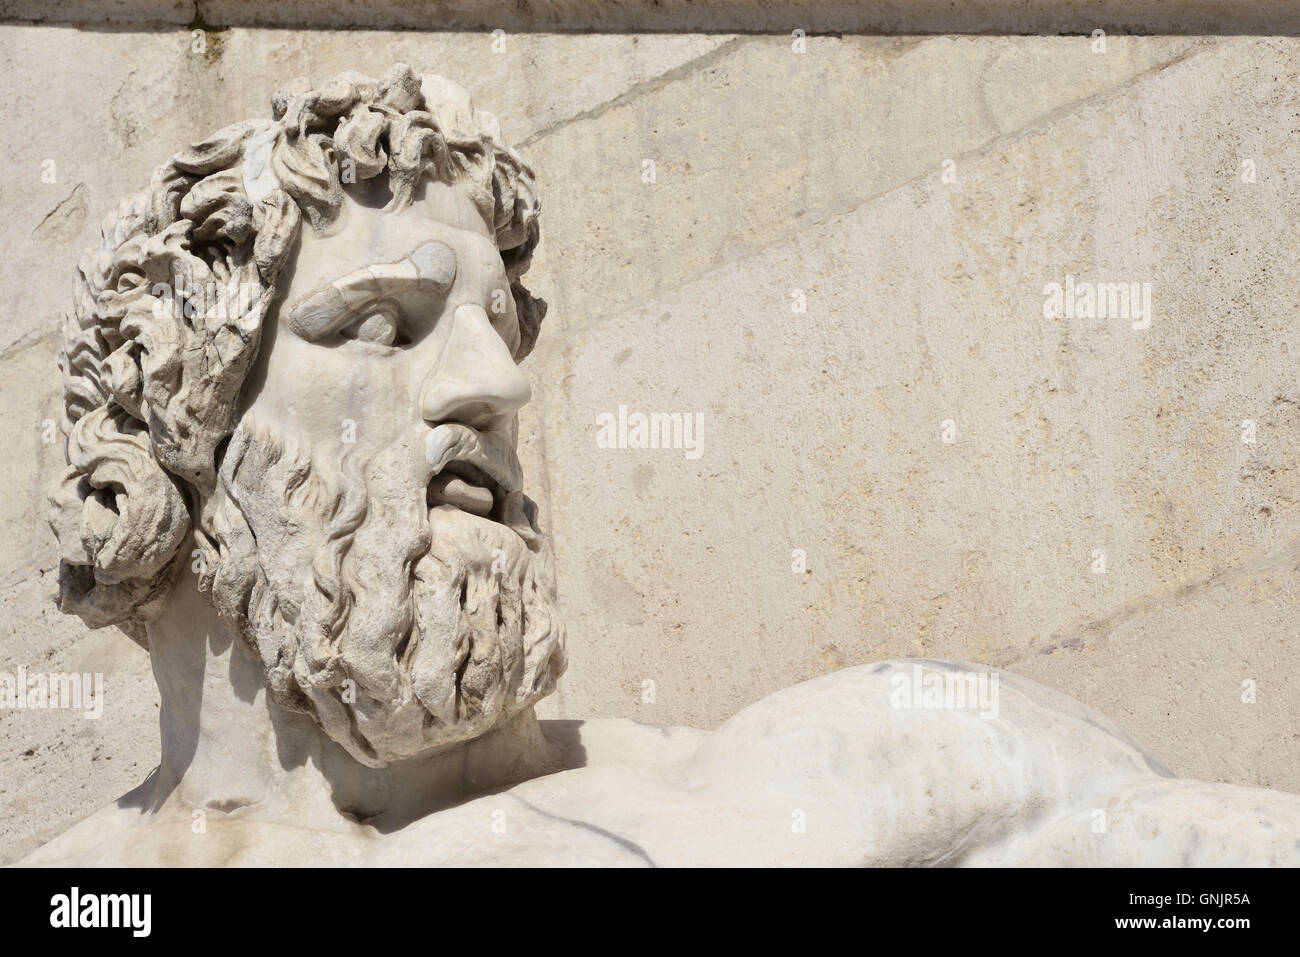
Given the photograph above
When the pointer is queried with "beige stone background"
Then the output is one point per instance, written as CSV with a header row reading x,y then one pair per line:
x,y
778,171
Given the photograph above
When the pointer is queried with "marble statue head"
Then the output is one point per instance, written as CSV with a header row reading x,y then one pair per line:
x,y
291,370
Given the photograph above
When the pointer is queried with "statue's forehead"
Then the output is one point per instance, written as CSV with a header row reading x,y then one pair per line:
x,y
365,235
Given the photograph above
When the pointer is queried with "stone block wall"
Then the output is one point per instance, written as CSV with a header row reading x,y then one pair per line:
x,y
838,260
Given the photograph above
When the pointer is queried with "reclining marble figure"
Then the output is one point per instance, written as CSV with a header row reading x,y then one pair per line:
x,y
291,388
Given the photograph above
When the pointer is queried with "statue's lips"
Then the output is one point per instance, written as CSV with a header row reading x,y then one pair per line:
x,y
478,473
466,487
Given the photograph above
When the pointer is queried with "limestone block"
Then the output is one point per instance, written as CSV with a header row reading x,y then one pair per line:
x,y
824,431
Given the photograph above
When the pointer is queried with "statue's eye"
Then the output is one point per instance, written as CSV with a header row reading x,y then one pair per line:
x,y
379,326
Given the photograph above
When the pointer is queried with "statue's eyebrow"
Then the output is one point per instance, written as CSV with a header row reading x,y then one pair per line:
x,y
432,267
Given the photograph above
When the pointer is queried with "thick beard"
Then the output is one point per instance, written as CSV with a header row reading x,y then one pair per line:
x,y
411,630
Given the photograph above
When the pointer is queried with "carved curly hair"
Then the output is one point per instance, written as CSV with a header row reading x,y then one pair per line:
x,y
150,391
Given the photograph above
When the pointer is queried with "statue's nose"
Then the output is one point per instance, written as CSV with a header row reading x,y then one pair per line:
x,y
475,380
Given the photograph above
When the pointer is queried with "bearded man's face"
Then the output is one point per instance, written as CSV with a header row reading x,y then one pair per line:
x,y
377,550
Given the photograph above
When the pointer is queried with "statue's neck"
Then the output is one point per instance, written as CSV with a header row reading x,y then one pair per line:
x,y
227,747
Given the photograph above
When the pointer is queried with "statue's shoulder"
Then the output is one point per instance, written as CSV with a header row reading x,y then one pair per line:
x,y
922,710
899,762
